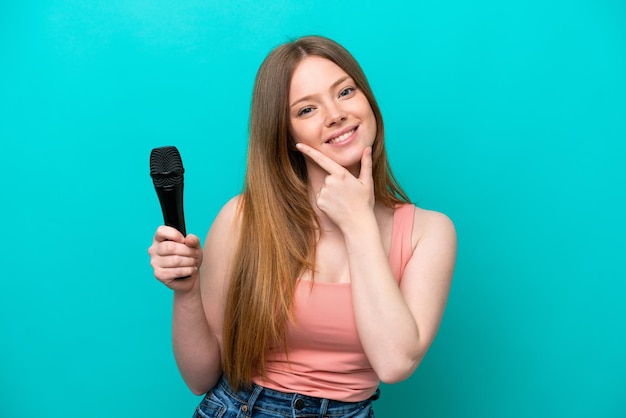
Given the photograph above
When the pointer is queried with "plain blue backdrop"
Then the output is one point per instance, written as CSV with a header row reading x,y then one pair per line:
x,y
508,116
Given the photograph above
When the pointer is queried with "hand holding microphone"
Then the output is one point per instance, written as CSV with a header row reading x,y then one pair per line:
x,y
174,258
173,255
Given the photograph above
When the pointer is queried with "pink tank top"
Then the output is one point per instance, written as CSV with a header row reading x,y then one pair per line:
x,y
325,358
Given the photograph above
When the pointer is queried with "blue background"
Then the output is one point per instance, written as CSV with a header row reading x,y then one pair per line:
x,y
508,116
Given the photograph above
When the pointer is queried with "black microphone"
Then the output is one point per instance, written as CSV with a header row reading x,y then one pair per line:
x,y
166,170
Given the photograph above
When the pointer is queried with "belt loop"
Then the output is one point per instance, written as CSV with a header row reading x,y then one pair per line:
x,y
324,407
252,399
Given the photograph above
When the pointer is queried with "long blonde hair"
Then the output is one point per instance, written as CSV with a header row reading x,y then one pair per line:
x,y
278,224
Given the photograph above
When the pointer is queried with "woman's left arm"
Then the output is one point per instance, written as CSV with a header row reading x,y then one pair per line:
x,y
396,324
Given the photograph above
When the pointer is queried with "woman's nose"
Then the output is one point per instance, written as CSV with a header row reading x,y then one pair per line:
x,y
335,115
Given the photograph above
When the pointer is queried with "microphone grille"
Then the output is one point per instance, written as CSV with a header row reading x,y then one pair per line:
x,y
166,167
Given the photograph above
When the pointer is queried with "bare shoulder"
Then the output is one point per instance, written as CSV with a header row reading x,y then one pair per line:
x,y
219,252
225,227
430,225
222,238
228,215
434,255
220,248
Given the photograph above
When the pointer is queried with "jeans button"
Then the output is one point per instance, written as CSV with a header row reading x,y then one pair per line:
x,y
299,404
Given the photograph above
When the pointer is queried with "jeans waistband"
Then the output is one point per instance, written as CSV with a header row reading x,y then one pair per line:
x,y
267,399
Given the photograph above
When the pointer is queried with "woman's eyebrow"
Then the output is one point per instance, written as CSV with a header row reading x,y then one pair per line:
x,y
332,86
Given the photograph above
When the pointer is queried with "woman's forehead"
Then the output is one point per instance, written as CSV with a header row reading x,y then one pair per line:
x,y
314,75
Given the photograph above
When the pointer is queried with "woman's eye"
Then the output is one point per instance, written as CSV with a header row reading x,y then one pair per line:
x,y
347,91
305,111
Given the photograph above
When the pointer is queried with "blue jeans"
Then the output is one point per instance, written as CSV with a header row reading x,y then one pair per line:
x,y
259,402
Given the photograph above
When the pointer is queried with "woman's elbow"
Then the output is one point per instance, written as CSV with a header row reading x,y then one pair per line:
x,y
398,371
196,390
200,387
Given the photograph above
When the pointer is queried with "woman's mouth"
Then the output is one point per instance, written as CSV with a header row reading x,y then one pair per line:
x,y
341,137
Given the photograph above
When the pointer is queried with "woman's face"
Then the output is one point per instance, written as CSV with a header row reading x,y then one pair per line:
x,y
329,113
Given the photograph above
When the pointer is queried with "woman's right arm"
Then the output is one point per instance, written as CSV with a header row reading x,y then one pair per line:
x,y
199,299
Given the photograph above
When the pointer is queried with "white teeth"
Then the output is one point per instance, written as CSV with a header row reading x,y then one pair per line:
x,y
341,137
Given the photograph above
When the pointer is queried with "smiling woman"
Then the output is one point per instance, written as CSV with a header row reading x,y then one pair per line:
x,y
329,113
302,273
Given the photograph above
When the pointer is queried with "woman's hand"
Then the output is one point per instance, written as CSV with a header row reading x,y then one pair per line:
x,y
175,259
343,196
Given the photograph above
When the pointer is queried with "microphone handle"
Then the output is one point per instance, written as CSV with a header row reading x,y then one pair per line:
x,y
171,199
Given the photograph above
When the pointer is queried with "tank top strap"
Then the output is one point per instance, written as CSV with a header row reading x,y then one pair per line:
x,y
401,244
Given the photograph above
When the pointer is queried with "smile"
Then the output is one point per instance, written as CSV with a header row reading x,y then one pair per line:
x,y
341,137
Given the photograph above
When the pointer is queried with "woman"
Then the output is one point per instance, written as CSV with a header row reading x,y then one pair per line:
x,y
320,280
